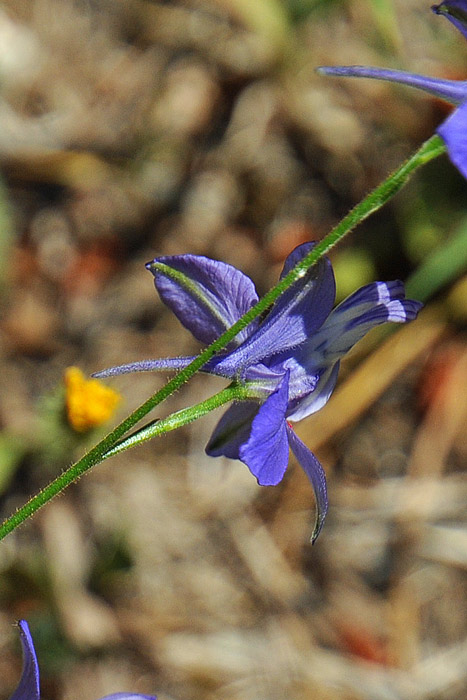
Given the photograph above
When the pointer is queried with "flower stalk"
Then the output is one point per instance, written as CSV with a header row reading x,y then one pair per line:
x,y
112,443
234,392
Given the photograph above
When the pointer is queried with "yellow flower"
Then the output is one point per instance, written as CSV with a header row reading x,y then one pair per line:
x,y
88,402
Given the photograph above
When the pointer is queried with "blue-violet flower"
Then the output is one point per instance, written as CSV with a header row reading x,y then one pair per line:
x,y
289,359
453,130
28,686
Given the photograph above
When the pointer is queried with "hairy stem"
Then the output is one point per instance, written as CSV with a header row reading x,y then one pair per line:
x,y
179,418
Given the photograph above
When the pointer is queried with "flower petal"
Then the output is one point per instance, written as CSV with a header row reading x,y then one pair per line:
x,y
455,11
232,430
454,91
302,309
207,296
317,476
266,453
28,687
169,364
128,696
296,315
314,400
368,307
453,131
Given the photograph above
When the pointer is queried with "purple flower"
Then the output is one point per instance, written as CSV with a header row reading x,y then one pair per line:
x,y
288,360
28,686
453,130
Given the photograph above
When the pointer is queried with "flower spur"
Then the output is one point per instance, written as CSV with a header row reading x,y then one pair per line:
x,y
288,361
28,686
453,130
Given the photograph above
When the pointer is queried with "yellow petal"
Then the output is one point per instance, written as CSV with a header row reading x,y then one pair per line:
x,y
88,402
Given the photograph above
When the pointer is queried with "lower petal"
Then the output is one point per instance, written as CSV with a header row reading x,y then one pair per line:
x,y
266,452
316,475
454,133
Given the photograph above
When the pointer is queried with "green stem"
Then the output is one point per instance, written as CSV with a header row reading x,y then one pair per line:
x,y
234,392
175,420
372,202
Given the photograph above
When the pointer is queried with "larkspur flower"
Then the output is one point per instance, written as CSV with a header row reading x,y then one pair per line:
x,y
453,130
28,686
289,359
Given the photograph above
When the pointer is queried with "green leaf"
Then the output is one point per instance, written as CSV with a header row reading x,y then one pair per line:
x,y
444,265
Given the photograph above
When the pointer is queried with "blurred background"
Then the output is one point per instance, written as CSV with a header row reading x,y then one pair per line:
x,y
136,128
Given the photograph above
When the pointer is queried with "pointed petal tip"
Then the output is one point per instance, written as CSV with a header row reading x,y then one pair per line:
x,y
101,374
272,479
453,91
315,472
324,70
321,512
116,371
151,264
337,70
455,11
452,9
28,687
145,366
23,626
169,364
25,633
317,529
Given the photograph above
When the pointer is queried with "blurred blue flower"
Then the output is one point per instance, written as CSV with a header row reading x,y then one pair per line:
x,y
28,687
289,359
453,130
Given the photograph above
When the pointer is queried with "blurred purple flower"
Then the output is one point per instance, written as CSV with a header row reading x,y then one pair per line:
x,y
455,11
453,130
28,687
289,359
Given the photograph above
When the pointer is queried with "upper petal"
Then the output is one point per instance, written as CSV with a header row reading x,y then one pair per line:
x,y
454,91
366,308
455,11
453,131
315,473
28,687
206,295
266,452
296,315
